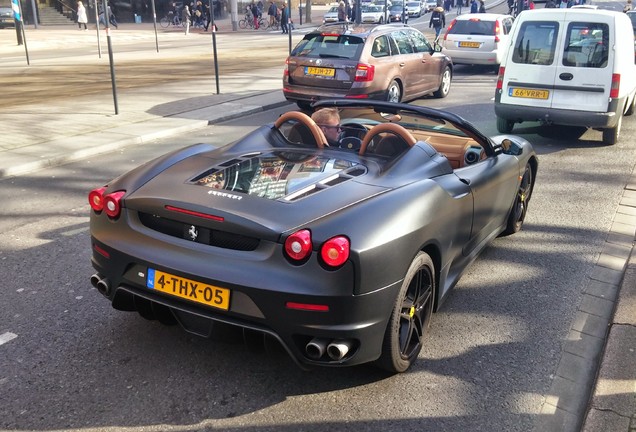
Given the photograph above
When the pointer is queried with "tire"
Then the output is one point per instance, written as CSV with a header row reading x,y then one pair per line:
x,y
504,125
165,22
444,85
632,107
610,135
394,92
242,24
411,316
520,205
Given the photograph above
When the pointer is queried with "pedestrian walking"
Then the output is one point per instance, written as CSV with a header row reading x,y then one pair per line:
x,y
474,7
255,13
460,3
628,6
272,11
82,18
284,17
482,6
111,17
342,11
185,18
438,21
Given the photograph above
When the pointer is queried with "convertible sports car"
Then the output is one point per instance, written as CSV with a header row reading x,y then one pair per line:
x,y
340,252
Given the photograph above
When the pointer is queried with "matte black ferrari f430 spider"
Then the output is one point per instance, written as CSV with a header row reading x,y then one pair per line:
x,y
340,252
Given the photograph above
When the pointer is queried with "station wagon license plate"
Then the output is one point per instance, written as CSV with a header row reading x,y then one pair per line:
x,y
318,71
465,44
188,289
528,93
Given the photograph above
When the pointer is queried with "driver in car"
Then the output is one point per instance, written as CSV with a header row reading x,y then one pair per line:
x,y
328,120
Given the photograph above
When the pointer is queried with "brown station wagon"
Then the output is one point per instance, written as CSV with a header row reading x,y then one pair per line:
x,y
392,62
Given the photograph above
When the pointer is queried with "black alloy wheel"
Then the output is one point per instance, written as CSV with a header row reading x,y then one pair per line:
x,y
520,206
411,316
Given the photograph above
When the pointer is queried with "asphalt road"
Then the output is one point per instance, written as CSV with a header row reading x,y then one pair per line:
x,y
77,364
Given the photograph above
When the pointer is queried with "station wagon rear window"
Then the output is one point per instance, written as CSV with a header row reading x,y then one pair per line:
x,y
536,43
326,45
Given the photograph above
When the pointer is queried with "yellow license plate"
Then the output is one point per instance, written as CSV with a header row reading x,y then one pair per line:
x,y
469,44
329,72
188,289
528,93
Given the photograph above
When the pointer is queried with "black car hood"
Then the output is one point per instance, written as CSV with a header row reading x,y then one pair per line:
x,y
261,195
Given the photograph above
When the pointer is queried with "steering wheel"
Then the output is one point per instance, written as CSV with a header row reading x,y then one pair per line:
x,y
305,120
393,128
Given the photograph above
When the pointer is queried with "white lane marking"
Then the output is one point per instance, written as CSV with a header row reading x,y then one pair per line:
x,y
6,337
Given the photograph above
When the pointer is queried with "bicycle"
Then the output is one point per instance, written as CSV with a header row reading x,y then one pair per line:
x,y
273,26
248,22
171,18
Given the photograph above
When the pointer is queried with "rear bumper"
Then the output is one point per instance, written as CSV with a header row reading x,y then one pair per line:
x,y
258,305
295,93
521,113
475,57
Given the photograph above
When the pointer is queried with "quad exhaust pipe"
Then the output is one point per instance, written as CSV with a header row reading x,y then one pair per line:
x,y
102,284
335,349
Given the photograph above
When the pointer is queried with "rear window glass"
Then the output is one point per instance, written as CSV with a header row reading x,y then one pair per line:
x,y
536,43
321,45
586,45
473,26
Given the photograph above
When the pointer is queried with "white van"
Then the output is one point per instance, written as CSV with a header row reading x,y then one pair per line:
x,y
570,67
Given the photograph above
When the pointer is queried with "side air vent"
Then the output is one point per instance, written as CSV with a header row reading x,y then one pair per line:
x,y
326,183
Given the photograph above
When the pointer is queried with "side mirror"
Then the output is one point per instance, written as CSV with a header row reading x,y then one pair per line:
x,y
437,48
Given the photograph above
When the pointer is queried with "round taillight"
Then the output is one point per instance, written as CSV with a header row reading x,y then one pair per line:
x,y
112,203
298,245
96,199
335,251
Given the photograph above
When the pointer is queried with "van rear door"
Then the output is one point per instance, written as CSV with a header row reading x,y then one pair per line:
x,y
532,67
584,70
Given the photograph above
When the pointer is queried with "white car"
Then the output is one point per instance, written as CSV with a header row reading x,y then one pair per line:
x,y
429,5
415,8
477,39
331,15
372,14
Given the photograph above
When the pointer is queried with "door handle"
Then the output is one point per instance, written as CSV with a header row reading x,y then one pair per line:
x,y
566,76
401,64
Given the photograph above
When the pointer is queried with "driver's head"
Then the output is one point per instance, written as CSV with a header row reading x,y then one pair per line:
x,y
328,120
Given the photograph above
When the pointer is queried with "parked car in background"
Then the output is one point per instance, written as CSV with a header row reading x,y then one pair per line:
x,y
570,67
477,39
391,62
398,13
429,5
331,15
6,17
371,14
415,9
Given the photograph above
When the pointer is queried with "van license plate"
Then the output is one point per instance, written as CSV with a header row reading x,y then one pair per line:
x,y
318,71
465,44
528,93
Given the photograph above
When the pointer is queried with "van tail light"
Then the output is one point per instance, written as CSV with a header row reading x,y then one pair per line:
x,y
497,32
502,70
286,70
335,251
112,204
450,26
298,245
364,72
616,84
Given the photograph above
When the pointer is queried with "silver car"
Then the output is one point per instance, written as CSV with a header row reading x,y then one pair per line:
x,y
331,16
479,39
